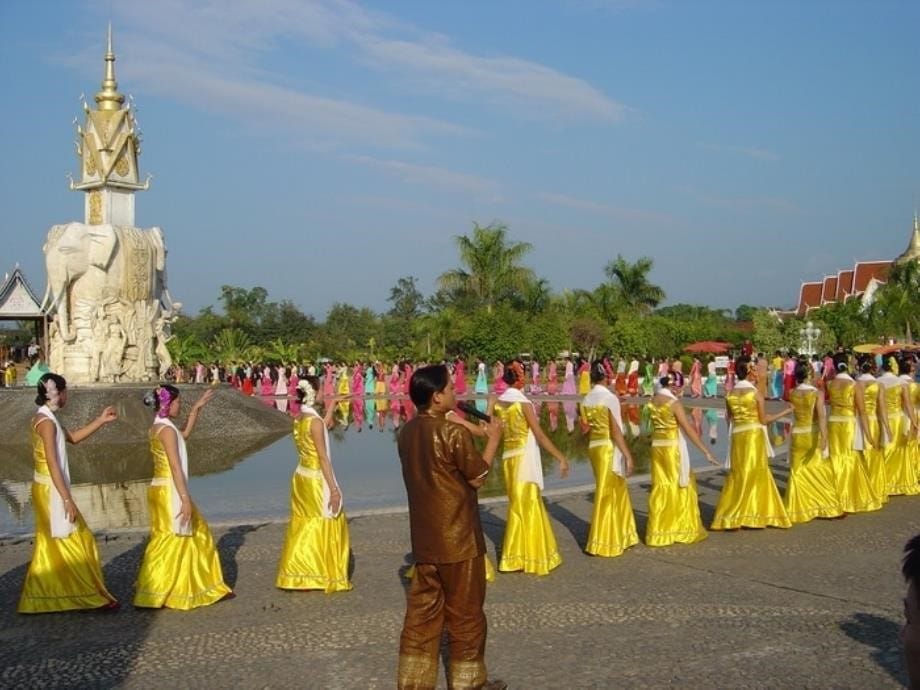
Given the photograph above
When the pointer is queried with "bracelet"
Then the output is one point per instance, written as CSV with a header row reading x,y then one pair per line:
x,y
67,500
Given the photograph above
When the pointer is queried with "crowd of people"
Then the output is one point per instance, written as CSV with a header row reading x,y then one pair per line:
x,y
855,442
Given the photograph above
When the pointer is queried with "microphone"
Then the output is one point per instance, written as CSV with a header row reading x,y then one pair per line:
x,y
473,411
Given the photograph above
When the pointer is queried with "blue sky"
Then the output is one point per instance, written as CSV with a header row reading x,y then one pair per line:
x,y
322,149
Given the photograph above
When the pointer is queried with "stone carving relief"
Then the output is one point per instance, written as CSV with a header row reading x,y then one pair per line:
x,y
112,307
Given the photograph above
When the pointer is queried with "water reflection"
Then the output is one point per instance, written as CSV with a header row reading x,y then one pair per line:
x,y
251,480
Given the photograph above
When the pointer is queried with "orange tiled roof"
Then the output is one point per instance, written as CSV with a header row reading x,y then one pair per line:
x,y
844,285
865,271
829,293
809,296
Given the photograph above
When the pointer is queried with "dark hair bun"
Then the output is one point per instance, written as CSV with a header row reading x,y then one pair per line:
x,y
150,399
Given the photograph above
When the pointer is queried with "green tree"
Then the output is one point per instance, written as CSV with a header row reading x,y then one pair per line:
x,y
244,308
231,345
631,284
490,266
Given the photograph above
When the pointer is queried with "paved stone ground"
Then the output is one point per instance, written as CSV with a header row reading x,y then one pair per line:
x,y
815,606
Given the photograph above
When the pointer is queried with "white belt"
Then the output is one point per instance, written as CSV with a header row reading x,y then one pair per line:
x,y
746,427
515,452
599,442
41,479
805,429
161,481
308,472
841,418
665,442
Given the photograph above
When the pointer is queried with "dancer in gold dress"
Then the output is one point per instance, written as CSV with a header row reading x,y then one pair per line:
x,y
847,429
316,545
64,573
529,544
907,368
673,506
896,420
749,497
872,454
613,525
811,492
180,568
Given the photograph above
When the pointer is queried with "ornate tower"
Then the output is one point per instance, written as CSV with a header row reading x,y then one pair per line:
x,y
912,253
108,146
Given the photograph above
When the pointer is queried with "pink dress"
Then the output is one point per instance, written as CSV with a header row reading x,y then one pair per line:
x,y
394,380
328,382
696,379
500,385
552,381
535,377
460,378
357,382
267,386
568,381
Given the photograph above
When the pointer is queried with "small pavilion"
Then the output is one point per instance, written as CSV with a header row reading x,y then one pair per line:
x,y
19,303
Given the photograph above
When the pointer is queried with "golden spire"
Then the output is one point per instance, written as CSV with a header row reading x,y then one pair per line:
x,y
913,248
109,98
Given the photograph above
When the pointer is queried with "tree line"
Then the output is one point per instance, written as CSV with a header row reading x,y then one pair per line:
x,y
493,306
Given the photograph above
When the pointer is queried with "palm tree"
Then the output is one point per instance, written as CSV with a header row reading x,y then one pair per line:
x,y
630,281
185,349
231,345
491,270
897,299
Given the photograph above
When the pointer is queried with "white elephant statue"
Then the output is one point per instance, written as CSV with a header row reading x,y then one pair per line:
x,y
112,273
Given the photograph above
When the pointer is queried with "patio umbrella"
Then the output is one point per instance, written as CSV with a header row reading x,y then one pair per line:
x,y
866,348
715,347
36,372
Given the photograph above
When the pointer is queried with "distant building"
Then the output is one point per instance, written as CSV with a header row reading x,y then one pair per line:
x,y
860,282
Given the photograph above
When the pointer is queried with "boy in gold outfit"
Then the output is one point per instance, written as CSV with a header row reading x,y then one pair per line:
x,y
442,470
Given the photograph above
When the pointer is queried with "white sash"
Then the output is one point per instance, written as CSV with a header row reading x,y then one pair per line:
x,y
327,490
175,501
61,527
683,479
529,469
732,429
602,396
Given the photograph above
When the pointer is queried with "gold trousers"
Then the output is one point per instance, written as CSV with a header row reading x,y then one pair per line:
x,y
443,595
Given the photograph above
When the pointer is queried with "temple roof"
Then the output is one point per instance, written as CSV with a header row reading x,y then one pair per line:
x,y
17,300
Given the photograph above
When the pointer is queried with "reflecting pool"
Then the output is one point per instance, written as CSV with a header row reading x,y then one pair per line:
x,y
255,485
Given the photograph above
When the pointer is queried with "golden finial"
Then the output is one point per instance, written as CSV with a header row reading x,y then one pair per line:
x,y
109,98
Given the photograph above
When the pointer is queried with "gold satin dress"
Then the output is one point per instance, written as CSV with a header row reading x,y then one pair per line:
x,y
749,496
584,383
64,574
613,525
316,548
873,459
529,543
177,572
854,490
673,510
900,466
913,445
811,492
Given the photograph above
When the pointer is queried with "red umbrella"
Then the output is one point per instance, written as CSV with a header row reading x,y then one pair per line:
x,y
715,347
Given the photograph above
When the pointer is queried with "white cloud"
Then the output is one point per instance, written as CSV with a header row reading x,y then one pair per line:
x,y
499,80
436,177
605,209
774,203
230,38
750,151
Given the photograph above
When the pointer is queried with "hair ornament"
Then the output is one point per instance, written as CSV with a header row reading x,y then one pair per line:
x,y
165,400
52,394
